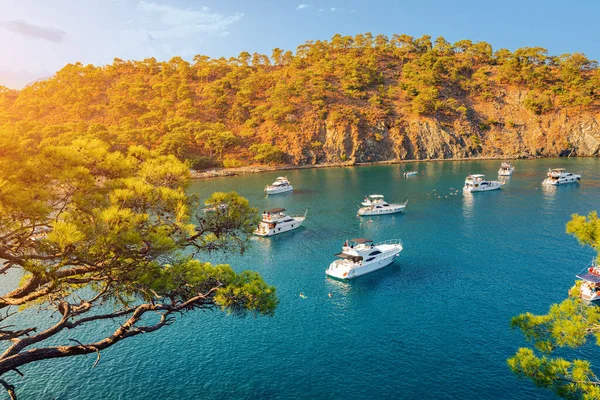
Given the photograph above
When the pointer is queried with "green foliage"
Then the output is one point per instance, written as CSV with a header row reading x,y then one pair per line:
x,y
538,103
568,324
568,379
200,162
93,231
267,154
483,126
233,163
316,145
586,230
218,108
426,101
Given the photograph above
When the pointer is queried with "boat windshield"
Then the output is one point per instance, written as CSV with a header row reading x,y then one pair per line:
x,y
589,277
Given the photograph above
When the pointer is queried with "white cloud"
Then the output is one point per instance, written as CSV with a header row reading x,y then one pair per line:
x,y
302,6
34,31
333,9
176,22
321,9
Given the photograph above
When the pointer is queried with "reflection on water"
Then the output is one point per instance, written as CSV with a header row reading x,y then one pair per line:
x,y
468,204
504,179
373,226
549,192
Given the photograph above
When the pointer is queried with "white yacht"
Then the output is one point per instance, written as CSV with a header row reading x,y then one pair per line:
x,y
410,173
375,205
281,185
276,221
559,176
477,183
360,256
506,169
590,287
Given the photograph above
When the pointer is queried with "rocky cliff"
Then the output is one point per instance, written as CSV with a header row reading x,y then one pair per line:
x,y
351,99
502,128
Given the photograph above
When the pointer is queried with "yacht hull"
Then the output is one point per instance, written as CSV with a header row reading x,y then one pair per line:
x,y
590,297
486,188
588,293
394,210
343,272
278,190
562,181
280,228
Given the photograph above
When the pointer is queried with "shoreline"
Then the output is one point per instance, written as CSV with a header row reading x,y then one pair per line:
x,y
254,169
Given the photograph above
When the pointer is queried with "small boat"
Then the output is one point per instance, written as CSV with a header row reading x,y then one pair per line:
x,y
276,221
410,173
360,256
281,185
506,169
375,205
477,183
590,287
559,176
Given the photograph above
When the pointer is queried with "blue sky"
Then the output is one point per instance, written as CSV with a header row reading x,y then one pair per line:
x,y
38,37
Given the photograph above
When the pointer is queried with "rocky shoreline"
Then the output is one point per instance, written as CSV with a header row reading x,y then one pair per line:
x,y
253,169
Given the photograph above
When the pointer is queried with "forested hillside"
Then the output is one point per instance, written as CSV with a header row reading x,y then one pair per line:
x,y
359,98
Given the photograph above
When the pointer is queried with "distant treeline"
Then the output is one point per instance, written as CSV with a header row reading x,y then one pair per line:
x,y
245,109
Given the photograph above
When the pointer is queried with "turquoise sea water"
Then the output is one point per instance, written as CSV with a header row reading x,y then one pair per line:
x,y
433,325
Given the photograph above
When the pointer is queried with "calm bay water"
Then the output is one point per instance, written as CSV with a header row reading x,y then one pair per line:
x,y
433,325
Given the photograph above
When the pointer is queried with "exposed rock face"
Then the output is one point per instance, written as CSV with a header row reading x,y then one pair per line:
x,y
498,129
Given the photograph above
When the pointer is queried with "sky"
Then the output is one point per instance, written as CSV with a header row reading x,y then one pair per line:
x,y
38,37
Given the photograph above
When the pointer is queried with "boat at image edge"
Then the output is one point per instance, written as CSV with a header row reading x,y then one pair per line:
x,y
276,221
360,256
590,287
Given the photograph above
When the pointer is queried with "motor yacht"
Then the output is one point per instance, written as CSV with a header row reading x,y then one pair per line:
x,y
374,204
281,185
506,169
477,183
360,256
410,173
276,221
559,176
590,287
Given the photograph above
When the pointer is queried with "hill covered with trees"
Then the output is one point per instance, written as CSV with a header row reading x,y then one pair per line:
x,y
361,98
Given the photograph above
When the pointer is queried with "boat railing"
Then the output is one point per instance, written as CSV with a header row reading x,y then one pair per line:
x,y
300,215
390,241
592,268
